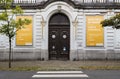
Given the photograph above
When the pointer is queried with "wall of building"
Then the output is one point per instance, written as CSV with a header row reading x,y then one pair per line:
x,y
78,48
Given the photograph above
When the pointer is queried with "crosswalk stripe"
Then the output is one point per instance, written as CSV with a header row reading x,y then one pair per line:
x,y
58,72
46,76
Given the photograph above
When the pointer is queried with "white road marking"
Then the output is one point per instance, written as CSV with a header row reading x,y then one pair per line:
x,y
46,76
58,72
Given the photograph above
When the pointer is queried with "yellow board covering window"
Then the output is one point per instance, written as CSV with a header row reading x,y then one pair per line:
x,y
95,36
24,36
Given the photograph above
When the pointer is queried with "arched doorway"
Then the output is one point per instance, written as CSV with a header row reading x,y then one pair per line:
x,y
59,37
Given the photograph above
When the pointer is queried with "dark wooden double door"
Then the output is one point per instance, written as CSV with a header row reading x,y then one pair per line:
x,y
59,43
59,37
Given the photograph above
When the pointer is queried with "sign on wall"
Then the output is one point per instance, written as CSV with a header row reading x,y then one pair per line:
x,y
95,36
24,36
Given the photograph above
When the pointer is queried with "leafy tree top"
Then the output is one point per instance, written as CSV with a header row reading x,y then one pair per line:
x,y
9,25
113,21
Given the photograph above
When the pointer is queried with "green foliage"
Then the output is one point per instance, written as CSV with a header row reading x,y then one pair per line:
x,y
113,21
9,26
6,4
17,10
4,16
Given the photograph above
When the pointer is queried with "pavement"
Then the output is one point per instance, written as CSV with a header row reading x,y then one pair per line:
x,y
61,65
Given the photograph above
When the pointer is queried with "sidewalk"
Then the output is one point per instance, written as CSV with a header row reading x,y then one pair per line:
x,y
63,65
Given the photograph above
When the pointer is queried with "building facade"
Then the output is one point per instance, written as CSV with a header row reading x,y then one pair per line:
x,y
65,30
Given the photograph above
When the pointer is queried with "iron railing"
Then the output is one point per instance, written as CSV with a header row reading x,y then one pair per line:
x,y
29,1
76,1
96,1
81,4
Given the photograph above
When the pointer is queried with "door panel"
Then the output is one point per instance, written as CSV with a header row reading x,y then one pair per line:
x,y
59,43
64,40
53,45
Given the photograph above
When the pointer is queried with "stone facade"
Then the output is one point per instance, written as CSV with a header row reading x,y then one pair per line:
x,y
78,48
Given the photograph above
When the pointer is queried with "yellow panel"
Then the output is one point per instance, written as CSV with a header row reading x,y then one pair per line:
x,y
24,36
94,30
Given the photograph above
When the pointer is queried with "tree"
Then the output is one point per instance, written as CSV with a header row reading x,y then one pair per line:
x,y
113,21
9,26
